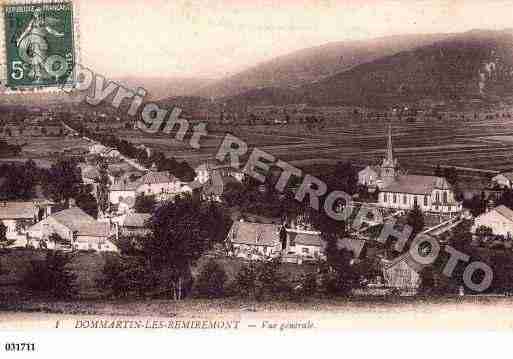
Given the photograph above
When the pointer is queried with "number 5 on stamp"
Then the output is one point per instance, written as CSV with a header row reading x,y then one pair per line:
x,y
39,44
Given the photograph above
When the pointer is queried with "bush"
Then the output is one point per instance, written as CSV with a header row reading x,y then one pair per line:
x,y
262,281
211,281
126,276
51,277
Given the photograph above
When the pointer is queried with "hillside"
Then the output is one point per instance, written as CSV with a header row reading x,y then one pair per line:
x,y
474,64
313,64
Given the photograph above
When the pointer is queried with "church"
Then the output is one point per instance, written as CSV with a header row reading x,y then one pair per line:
x,y
398,190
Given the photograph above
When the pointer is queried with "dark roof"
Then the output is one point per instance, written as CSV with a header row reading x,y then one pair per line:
x,y
305,238
416,184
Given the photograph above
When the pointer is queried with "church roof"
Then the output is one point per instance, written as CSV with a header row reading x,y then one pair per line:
x,y
416,184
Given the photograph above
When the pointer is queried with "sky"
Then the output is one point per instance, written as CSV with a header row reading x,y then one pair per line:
x,y
216,38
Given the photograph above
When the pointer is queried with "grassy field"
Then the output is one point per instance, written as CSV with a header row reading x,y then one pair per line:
x,y
483,144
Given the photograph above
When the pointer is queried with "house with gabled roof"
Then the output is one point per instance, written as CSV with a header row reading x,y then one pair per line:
x,y
430,193
17,216
79,229
503,180
499,219
262,240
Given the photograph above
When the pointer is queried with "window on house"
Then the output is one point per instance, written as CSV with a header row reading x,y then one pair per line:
x,y
437,197
404,199
425,201
445,197
385,197
415,201
395,198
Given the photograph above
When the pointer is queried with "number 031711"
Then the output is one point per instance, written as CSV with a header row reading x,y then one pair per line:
x,y
20,347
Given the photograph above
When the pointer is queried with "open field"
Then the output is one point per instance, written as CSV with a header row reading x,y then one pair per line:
x,y
480,144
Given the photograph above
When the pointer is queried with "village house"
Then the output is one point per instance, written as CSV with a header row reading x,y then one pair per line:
x,y
503,180
81,230
209,170
134,224
499,219
259,240
402,274
303,245
162,185
18,216
123,190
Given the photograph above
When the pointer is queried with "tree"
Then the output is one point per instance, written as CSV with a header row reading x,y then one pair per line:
x,y
103,183
181,233
415,220
438,171
451,175
339,275
476,205
87,202
127,276
261,281
52,276
4,242
211,281
145,204
64,180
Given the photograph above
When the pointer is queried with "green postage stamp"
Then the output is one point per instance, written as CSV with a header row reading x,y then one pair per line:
x,y
39,47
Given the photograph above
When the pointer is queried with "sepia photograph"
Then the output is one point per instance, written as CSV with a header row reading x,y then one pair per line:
x,y
267,166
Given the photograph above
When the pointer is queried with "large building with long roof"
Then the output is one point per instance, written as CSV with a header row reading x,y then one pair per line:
x,y
404,191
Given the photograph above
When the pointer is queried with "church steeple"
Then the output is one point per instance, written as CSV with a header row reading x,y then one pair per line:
x,y
389,166
390,151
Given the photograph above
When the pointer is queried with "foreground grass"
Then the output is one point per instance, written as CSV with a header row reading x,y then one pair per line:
x,y
201,307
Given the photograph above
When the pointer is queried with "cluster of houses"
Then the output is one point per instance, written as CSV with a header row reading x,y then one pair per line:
x,y
36,223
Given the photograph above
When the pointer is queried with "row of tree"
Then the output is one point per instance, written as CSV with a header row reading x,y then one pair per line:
x,y
181,170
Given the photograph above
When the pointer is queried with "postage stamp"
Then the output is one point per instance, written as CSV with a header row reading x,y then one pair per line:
x,y
39,44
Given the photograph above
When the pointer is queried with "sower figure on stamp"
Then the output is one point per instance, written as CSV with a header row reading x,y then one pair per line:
x,y
32,45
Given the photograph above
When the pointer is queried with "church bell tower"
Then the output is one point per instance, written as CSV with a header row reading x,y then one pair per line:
x,y
389,167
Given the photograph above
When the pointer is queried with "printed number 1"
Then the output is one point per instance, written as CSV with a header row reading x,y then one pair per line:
x,y
17,70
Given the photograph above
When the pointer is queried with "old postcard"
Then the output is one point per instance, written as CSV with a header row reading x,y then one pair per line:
x,y
301,167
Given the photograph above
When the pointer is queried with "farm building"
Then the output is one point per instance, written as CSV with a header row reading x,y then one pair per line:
x,y
503,180
135,224
82,231
210,169
18,216
499,219
259,240
403,274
